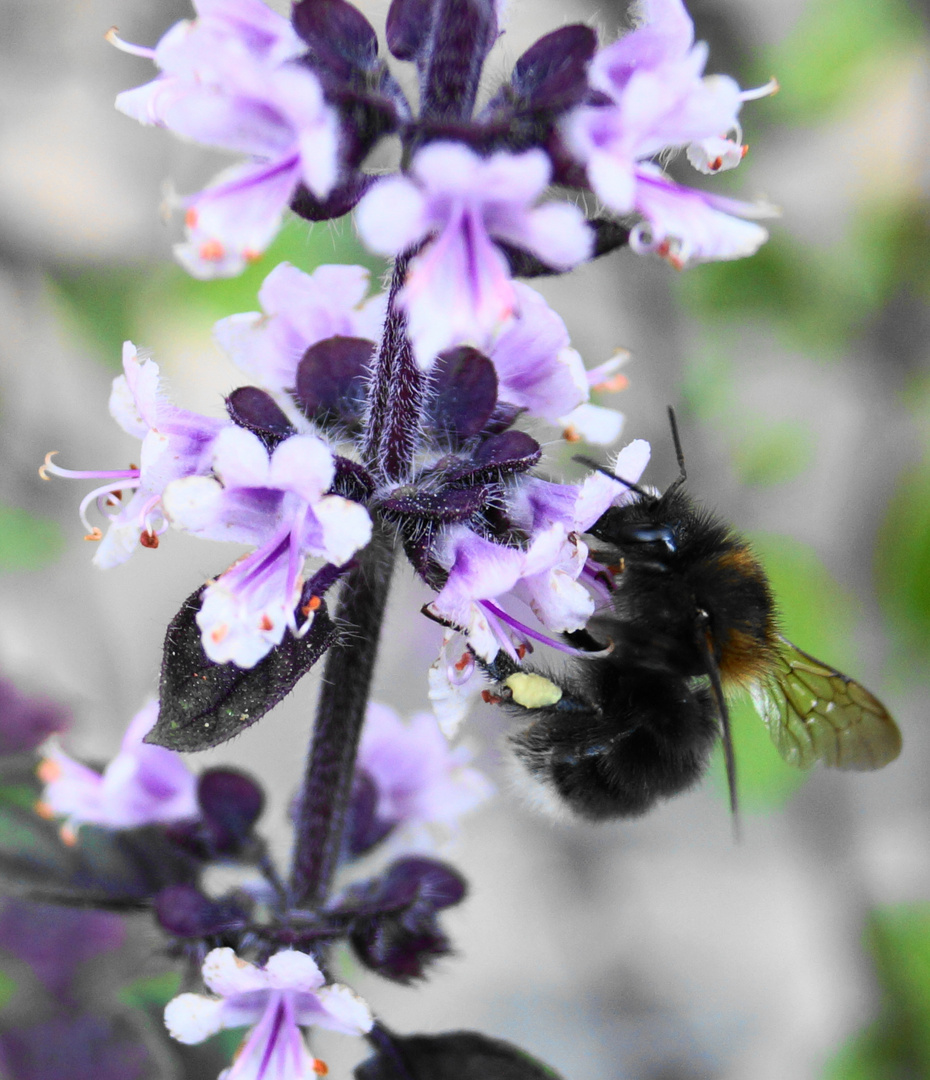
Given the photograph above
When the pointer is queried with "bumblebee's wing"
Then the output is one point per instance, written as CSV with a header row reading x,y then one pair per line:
x,y
815,713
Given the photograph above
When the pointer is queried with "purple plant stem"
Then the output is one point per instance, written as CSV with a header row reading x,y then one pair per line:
x,y
340,714
461,34
396,392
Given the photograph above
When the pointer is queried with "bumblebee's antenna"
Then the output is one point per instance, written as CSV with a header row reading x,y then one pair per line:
x,y
679,453
592,464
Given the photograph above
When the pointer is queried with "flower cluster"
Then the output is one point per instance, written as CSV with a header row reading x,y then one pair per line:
x,y
375,424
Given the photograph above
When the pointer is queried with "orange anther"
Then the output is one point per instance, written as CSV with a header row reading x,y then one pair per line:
x,y
463,662
217,635
190,218
570,434
48,771
313,604
94,534
266,624
613,385
212,251
715,164
489,698
68,835
251,255
148,539
320,1067
44,810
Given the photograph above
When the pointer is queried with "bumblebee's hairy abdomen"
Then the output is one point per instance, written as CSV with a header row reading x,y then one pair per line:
x,y
651,739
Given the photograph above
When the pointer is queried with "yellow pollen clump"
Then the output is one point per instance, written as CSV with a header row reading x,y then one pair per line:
x,y
533,691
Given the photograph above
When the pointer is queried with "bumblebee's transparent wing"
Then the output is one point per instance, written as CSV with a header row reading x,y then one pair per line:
x,y
815,713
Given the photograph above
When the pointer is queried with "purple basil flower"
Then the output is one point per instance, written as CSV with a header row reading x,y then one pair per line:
x,y
458,289
538,371
660,99
276,1000
299,310
228,79
175,443
421,780
278,503
142,785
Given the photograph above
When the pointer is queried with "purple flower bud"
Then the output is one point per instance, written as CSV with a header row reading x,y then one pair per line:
x,y
331,379
258,412
465,387
184,911
231,802
402,937
25,722
408,26
552,73
364,829
340,38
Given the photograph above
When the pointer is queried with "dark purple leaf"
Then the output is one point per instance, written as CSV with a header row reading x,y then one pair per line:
x,y
27,721
258,412
54,940
465,386
453,1055
331,379
446,507
204,704
79,1048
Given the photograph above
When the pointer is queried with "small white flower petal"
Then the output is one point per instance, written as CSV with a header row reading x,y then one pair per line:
x,y
292,970
191,1018
227,975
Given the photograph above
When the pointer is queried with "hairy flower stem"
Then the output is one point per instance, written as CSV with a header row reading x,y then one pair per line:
x,y
396,393
340,715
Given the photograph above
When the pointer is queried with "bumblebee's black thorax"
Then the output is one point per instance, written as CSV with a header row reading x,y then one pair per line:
x,y
681,573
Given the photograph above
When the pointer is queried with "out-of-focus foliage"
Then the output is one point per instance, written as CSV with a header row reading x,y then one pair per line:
x,y
106,304
897,1045
27,541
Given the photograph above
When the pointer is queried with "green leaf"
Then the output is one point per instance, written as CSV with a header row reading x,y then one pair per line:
x,y
27,542
152,991
7,988
902,559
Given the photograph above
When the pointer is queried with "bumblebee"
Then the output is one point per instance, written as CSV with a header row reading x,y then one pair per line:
x,y
691,619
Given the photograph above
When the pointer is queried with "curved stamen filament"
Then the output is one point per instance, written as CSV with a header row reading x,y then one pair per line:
x,y
771,87
112,36
536,635
105,497
83,474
